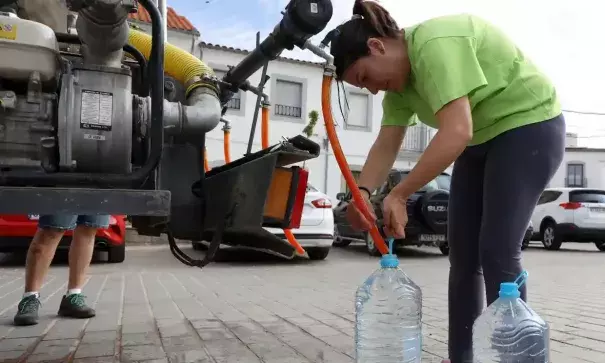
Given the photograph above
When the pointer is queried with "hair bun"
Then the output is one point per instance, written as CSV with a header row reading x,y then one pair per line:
x,y
358,8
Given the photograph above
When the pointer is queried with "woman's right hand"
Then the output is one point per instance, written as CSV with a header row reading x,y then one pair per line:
x,y
356,218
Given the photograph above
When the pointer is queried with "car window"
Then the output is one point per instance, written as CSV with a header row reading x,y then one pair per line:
x,y
548,196
442,181
311,188
383,189
587,196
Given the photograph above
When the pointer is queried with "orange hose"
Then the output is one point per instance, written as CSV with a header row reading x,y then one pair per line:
x,y
293,241
226,146
326,108
264,127
264,132
206,165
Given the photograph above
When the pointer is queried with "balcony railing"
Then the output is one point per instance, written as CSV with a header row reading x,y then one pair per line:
x,y
290,111
417,138
234,103
575,183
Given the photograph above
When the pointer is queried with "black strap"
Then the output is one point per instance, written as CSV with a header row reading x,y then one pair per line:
x,y
214,246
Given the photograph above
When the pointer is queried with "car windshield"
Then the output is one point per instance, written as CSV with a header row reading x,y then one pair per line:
x,y
587,196
440,182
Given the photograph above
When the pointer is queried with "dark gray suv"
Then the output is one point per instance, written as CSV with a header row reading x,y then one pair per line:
x,y
427,215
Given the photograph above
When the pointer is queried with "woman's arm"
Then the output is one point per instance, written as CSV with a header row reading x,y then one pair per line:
x,y
455,132
381,156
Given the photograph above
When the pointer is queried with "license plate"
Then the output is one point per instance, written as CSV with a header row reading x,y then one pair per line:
x,y
33,217
432,238
597,209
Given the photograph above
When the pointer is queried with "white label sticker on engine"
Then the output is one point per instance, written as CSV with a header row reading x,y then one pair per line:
x,y
94,137
97,108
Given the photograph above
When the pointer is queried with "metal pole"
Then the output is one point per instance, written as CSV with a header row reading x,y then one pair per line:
x,y
261,84
162,7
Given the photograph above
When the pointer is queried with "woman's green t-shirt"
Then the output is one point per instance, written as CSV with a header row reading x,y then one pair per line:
x,y
458,55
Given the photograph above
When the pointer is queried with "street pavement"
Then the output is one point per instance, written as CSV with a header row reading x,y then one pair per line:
x,y
151,308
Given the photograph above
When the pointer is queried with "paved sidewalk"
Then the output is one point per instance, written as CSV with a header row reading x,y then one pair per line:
x,y
154,309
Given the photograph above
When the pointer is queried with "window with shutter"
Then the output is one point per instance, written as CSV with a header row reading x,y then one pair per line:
x,y
575,175
288,98
357,114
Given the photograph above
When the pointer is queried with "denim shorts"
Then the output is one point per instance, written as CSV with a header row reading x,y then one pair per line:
x,y
66,222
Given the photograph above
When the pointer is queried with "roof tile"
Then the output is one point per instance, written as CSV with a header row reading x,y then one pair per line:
x,y
175,21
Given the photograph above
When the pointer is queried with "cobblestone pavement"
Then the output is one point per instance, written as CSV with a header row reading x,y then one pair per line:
x,y
151,308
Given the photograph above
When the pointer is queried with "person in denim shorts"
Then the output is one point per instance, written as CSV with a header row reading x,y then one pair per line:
x,y
39,257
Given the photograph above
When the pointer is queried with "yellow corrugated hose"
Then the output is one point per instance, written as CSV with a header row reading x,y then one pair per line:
x,y
178,64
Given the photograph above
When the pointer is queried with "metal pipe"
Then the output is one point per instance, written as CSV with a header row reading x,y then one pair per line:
x,y
103,29
297,25
259,95
164,11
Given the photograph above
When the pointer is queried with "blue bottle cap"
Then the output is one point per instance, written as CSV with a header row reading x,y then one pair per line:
x,y
389,260
511,289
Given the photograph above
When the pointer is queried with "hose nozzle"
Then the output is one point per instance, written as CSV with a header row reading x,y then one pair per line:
x,y
227,126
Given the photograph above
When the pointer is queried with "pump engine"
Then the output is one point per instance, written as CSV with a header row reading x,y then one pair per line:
x,y
86,128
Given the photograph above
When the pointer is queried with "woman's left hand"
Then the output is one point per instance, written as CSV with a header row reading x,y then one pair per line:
x,y
395,215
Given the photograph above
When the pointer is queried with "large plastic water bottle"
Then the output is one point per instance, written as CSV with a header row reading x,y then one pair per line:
x,y
388,316
509,331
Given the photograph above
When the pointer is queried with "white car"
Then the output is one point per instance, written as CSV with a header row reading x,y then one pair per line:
x,y
316,232
570,215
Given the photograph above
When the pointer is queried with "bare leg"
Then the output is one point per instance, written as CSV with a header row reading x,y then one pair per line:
x,y
39,257
80,255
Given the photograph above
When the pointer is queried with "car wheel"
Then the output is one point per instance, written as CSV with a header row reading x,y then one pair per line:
x,y
371,246
445,249
198,246
338,240
600,245
116,254
318,253
524,244
550,239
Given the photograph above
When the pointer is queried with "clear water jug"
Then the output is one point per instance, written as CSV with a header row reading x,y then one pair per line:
x,y
509,331
388,318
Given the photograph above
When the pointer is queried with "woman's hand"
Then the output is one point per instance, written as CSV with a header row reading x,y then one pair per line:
x,y
395,215
357,220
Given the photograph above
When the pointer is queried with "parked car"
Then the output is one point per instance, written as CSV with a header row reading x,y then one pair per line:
x,y
529,232
427,215
570,215
316,232
17,231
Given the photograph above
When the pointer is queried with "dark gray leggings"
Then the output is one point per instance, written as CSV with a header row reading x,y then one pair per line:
x,y
495,187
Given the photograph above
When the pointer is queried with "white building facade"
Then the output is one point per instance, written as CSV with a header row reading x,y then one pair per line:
x,y
581,167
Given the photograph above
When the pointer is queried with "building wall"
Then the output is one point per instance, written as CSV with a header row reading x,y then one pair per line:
x,y
581,167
